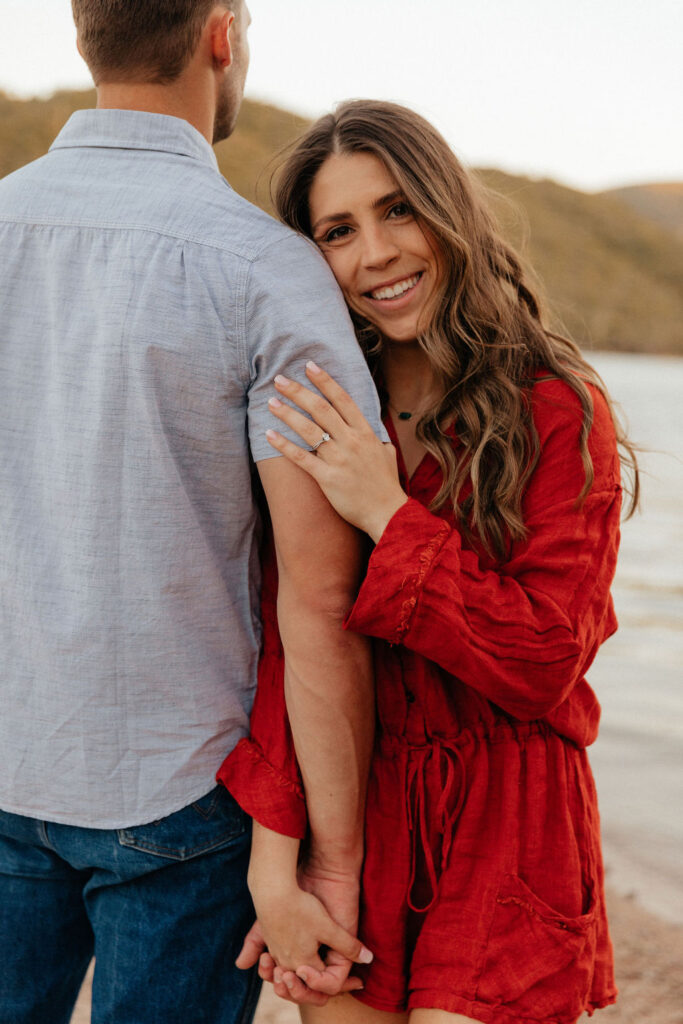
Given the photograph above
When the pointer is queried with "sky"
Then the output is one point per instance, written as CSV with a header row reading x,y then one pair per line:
x,y
589,93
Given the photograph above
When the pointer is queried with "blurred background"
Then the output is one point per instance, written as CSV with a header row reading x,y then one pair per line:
x,y
572,113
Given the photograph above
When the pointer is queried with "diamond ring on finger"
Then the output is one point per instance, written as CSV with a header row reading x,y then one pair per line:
x,y
325,437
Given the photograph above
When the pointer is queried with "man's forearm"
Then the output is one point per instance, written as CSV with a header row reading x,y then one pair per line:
x,y
329,682
330,700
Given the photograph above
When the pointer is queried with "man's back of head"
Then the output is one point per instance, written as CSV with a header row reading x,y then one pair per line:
x,y
139,40
177,57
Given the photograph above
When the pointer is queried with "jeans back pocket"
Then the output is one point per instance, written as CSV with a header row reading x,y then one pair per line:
x,y
210,822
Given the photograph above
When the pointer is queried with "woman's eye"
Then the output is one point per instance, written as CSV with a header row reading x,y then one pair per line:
x,y
335,233
400,210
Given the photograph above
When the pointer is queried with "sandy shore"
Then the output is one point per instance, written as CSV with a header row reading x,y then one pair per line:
x,y
649,958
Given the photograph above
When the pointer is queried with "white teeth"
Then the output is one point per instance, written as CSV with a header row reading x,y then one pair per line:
x,y
395,290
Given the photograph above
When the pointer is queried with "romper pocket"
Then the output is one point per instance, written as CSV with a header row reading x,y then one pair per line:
x,y
537,962
212,821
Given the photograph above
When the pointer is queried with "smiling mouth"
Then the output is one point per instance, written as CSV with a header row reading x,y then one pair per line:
x,y
395,291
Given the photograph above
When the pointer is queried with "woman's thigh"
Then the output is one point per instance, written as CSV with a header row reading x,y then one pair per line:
x,y
347,1010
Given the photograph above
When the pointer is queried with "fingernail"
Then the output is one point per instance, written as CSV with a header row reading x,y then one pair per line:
x,y
271,435
289,982
275,403
313,367
281,380
366,957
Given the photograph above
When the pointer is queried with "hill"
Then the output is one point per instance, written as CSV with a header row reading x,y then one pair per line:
x,y
661,202
611,275
611,264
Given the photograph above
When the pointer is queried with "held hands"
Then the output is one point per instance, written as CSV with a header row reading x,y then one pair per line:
x,y
294,921
355,471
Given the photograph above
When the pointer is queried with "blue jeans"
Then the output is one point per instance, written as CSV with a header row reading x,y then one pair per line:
x,y
162,907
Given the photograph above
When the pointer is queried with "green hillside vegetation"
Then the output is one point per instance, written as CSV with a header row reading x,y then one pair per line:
x,y
611,265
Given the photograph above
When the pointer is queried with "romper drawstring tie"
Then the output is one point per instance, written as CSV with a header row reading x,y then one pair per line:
x,y
441,757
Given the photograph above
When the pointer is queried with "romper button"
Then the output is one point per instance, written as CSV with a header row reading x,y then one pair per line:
x,y
410,697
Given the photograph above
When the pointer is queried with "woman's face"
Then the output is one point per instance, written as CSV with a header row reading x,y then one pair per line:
x,y
379,254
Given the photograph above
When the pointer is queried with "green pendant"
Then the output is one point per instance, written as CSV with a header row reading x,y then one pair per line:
x,y
405,415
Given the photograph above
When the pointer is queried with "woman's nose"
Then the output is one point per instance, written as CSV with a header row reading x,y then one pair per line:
x,y
379,250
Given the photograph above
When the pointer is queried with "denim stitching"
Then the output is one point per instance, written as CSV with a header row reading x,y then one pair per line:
x,y
177,852
206,813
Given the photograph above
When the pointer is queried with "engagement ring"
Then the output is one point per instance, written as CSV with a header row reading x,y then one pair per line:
x,y
325,437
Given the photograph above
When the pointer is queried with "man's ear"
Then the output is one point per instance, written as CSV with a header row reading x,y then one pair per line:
x,y
221,46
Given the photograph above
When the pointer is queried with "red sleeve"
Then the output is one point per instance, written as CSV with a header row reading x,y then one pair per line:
x,y
525,633
262,771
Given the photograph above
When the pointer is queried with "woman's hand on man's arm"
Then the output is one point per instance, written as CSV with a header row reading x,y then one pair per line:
x,y
356,471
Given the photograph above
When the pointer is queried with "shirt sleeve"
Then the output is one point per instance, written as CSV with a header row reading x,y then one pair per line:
x,y
261,772
523,634
296,312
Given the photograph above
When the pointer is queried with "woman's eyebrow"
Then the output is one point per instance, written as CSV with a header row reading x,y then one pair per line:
x,y
346,214
388,198
330,216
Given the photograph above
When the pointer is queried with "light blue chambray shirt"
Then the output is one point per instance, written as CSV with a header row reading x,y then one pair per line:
x,y
146,308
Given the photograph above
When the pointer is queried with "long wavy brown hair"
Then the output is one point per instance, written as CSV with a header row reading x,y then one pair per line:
x,y
484,335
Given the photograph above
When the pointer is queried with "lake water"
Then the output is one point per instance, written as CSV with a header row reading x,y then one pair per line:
x,y
638,674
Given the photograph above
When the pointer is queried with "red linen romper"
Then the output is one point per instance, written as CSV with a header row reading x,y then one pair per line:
x,y
482,889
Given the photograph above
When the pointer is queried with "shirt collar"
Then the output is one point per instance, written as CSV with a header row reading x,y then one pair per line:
x,y
134,129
